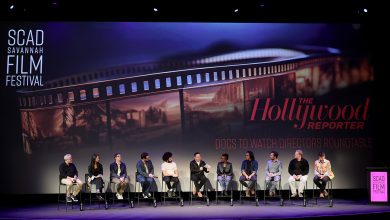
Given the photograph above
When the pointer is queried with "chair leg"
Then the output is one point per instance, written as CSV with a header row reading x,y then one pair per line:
x,y
58,198
66,201
216,193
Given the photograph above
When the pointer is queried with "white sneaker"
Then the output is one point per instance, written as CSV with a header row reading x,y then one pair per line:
x,y
119,196
300,195
294,195
150,195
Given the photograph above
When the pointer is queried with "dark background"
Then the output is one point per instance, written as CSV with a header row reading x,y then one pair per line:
x,y
373,36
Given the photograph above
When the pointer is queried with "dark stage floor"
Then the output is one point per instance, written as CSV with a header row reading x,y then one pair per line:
x,y
198,210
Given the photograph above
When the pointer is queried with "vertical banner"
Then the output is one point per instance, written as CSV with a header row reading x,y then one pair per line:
x,y
378,187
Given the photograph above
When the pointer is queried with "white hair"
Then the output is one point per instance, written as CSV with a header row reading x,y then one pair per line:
x,y
67,156
300,152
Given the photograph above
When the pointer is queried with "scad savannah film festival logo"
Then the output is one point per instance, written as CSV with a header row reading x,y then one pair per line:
x,y
305,114
25,58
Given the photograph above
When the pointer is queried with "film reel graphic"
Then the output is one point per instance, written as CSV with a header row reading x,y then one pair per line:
x,y
151,78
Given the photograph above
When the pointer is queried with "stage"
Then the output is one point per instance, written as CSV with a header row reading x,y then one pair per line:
x,y
248,210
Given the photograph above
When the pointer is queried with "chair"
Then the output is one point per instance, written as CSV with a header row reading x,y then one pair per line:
x,y
112,188
205,196
329,187
89,190
138,192
304,195
255,196
279,194
66,201
164,194
223,196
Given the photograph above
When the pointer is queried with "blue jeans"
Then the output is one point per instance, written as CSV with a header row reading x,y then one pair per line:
x,y
224,181
146,183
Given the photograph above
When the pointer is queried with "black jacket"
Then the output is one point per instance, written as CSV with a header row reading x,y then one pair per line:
x,y
228,170
298,167
95,172
195,169
67,170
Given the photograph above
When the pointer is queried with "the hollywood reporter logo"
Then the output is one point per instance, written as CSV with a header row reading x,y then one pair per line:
x,y
307,115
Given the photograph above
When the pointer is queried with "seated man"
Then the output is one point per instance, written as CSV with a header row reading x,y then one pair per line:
x,y
322,173
69,176
95,175
170,174
298,169
198,167
145,174
225,173
273,171
249,169
118,175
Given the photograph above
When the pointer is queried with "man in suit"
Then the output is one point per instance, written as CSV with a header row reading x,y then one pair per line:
x,y
145,174
198,167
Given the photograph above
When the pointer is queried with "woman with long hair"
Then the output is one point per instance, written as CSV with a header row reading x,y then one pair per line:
x,y
95,173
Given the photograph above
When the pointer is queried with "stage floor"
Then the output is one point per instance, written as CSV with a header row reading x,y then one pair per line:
x,y
198,210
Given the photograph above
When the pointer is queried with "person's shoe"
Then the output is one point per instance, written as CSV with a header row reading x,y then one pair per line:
x,y
74,199
300,195
326,193
119,196
321,195
149,195
200,194
99,197
272,194
293,195
247,193
169,193
68,199
145,196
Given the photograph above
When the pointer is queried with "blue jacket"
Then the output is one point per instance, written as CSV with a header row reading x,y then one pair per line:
x,y
114,170
254,165
141,168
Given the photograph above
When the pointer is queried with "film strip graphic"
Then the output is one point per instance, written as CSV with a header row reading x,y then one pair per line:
x,y
223,69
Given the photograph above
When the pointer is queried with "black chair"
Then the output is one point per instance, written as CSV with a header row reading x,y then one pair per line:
x,y
112,188
164,194
224,196
59,200
205,197
278,196
304,198
255,197
89,190
329,197
138,192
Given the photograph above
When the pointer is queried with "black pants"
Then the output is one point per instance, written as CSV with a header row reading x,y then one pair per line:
x,y
99,182
321,183
175,180
199,181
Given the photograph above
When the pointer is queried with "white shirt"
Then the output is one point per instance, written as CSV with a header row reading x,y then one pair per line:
x,y
119,169
169,168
